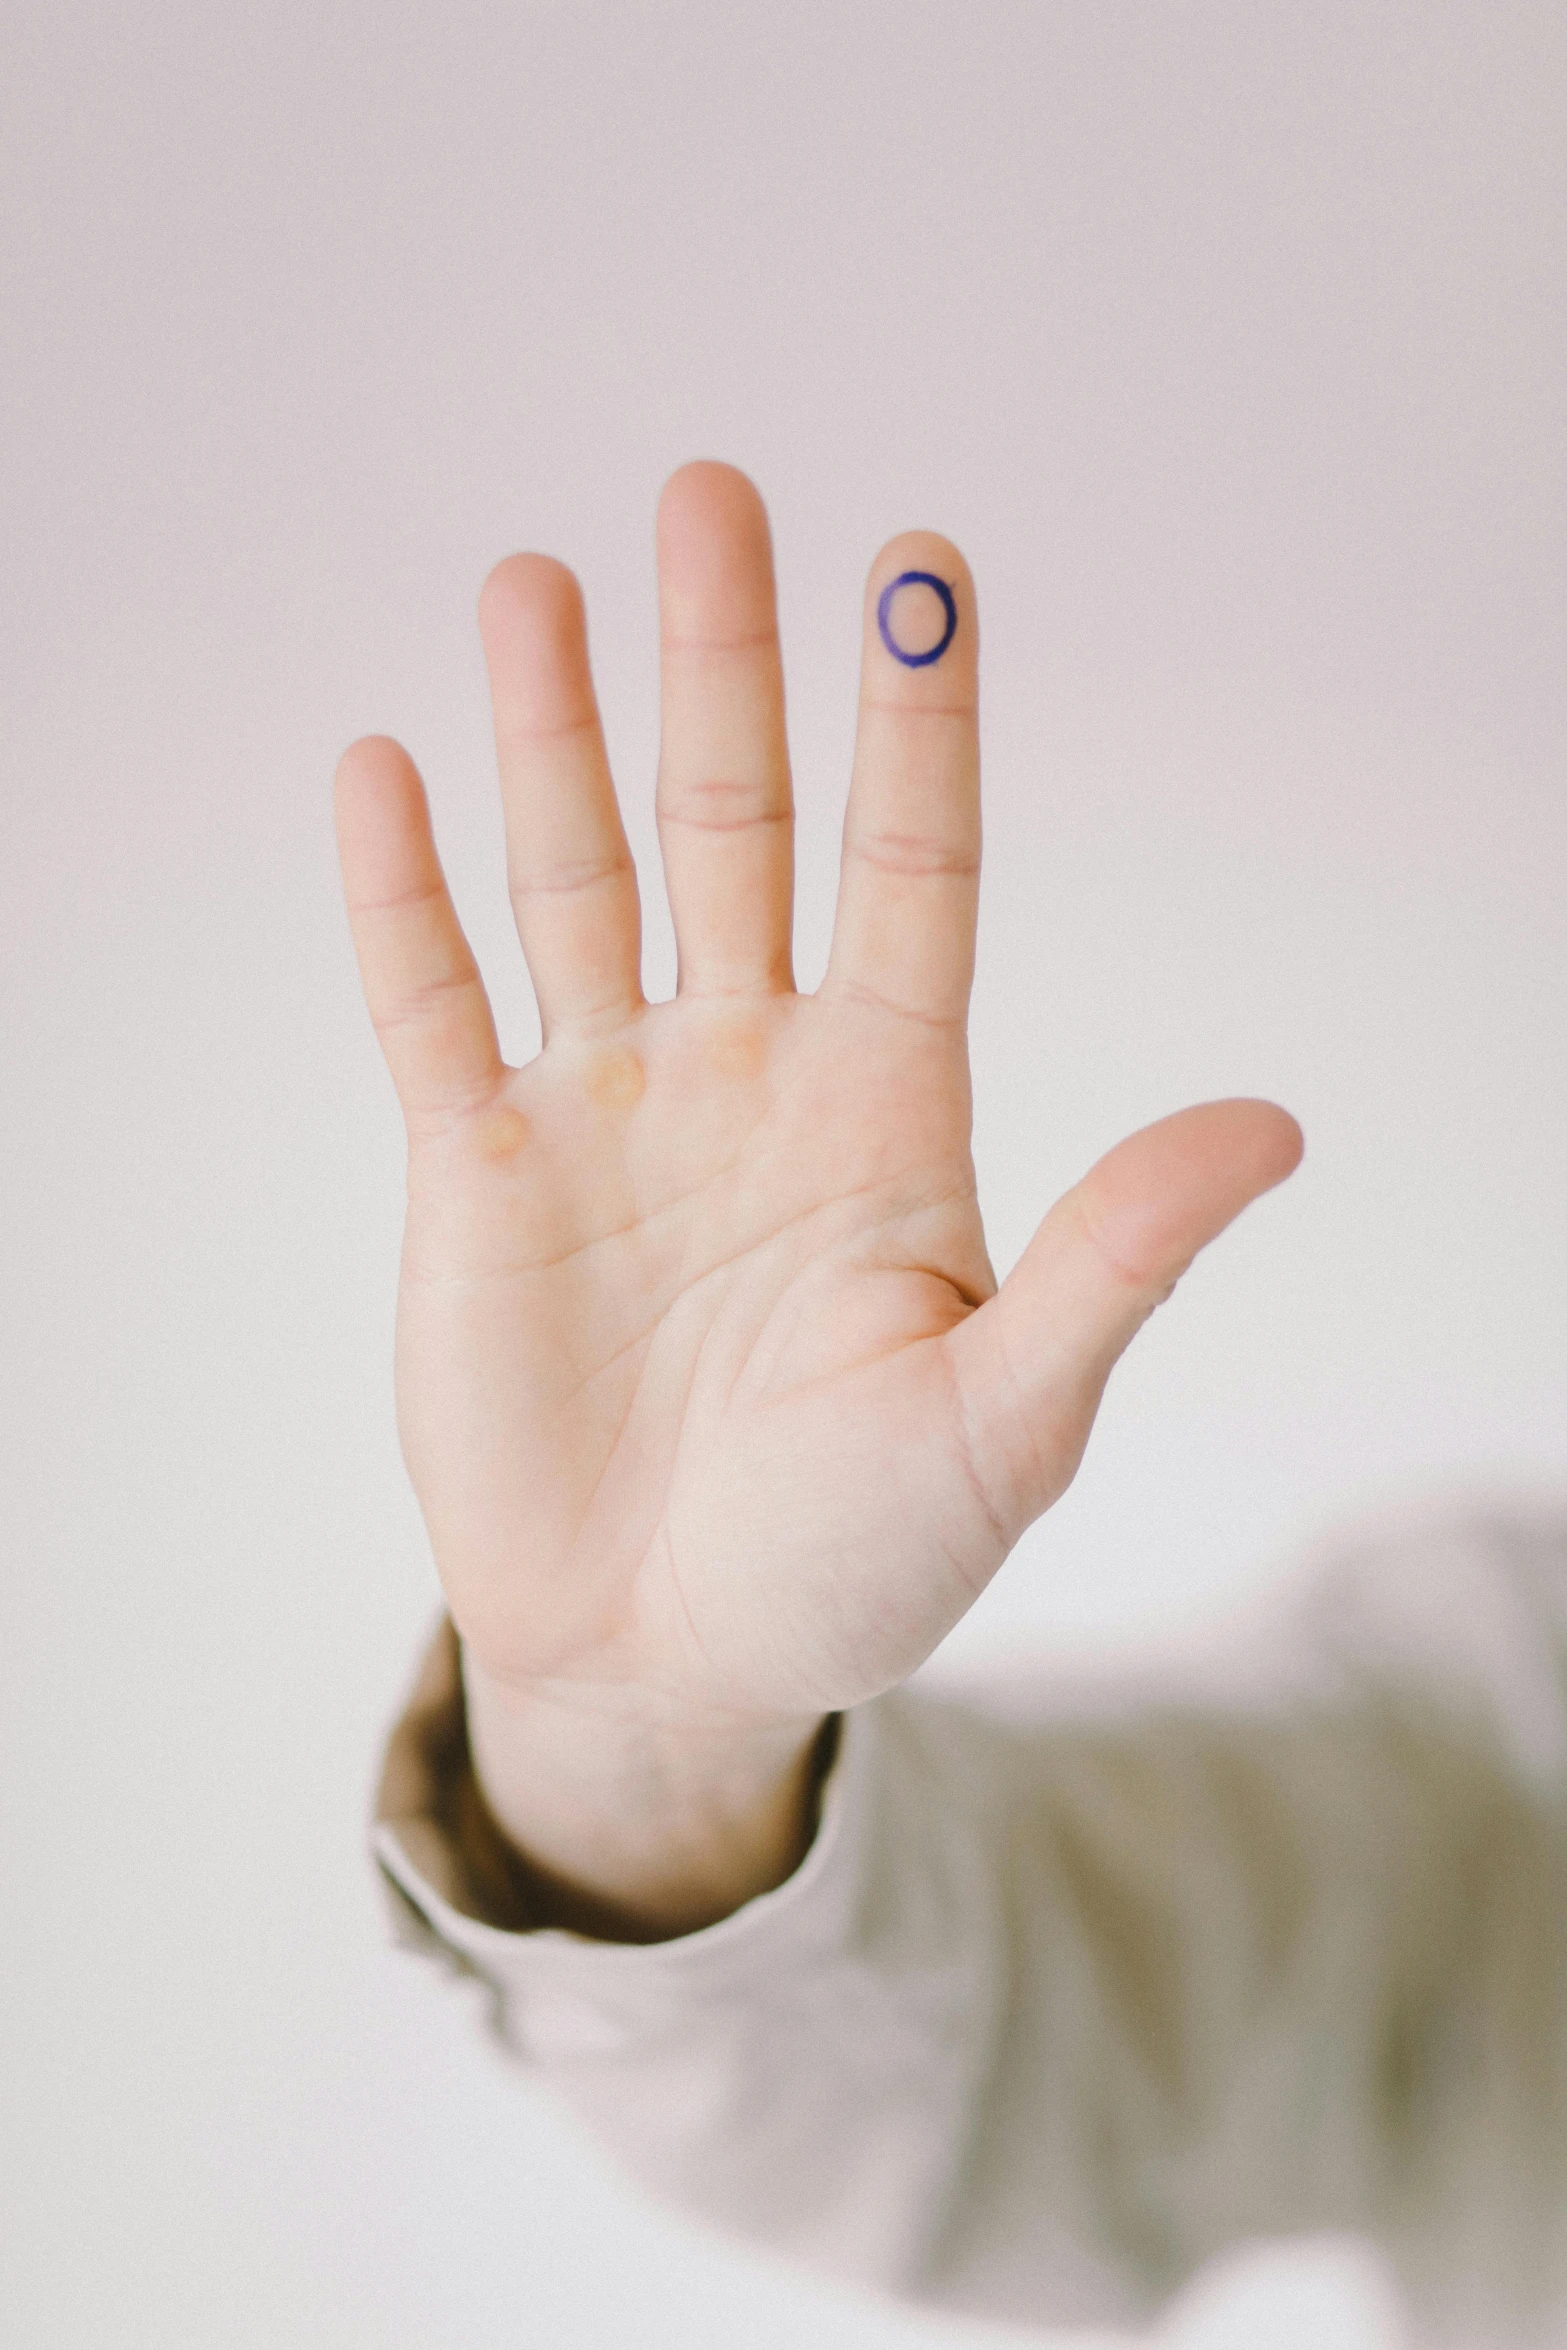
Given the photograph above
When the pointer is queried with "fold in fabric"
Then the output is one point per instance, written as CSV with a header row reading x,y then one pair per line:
x,y
1077,1988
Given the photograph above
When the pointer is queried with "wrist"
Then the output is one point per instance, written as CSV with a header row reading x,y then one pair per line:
x,y
630,1820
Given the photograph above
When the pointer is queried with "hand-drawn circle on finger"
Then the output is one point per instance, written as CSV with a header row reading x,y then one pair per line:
x,y
884,621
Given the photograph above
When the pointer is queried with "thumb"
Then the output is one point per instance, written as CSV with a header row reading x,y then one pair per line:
x,y
1031,1364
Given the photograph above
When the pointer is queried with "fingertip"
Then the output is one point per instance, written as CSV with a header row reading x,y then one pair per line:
x,y
1168,1190
368,762
1291,1140
920,550
921,612
708,492
528,589
534,628
1264,1135
715,559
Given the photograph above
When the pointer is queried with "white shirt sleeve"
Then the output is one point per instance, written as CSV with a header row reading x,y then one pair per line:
x,y
1056,2009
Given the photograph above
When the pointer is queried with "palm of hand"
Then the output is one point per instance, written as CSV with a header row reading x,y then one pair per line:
x,y
667,1358
704,1383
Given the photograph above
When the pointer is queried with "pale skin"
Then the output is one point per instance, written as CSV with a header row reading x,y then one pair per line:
x,y
715,1412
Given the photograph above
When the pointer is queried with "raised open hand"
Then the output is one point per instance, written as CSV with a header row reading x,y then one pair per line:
x,y
704,1381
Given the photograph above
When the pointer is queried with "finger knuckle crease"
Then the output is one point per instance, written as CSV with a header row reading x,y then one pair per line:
x,y
422,1000
564,878
913,855
860,992
690,820
401,900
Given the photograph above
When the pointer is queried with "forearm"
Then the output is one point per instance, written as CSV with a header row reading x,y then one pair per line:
x,y
630,1822
1193,1929
803,2075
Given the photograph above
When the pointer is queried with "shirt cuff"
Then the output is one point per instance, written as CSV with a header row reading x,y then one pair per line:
x,y
452,1892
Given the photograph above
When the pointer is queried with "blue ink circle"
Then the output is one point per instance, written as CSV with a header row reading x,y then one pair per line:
x,y
884,606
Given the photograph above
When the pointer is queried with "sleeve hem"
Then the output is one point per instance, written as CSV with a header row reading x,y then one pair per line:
x,y
417,1844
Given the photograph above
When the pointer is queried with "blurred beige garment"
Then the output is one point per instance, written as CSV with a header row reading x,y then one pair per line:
x,y
1056,2009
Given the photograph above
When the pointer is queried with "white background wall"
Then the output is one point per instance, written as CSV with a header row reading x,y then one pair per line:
x,y
1227,340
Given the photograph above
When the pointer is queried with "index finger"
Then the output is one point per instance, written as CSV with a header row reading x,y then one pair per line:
x,y
908,892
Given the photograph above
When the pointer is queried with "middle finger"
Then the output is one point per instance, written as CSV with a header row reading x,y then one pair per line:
x,y
725,808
